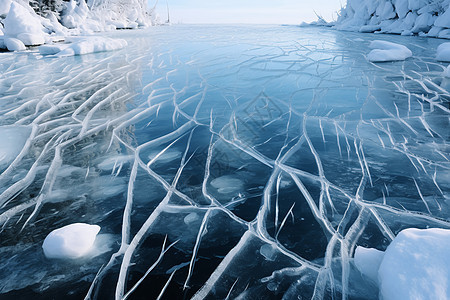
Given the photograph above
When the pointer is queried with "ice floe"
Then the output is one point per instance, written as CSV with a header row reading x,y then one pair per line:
x,y
83,45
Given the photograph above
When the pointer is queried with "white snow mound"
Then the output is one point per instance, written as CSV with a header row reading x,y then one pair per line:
x,y
386,51
443,52
416,265
21,24
83,45
71,241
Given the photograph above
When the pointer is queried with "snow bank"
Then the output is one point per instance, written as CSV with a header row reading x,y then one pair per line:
x,y
71,241
83,45
387,51
416,265
77,18
406,17
22,25
443,52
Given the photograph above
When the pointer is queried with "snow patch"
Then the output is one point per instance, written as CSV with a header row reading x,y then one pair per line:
x,y
386,51
71,241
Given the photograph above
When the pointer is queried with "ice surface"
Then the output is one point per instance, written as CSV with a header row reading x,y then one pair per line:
x,y
13,139
71,241
443,52
249,163
416,265
387,51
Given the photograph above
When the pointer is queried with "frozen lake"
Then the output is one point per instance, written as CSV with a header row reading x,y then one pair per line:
x,y
219,161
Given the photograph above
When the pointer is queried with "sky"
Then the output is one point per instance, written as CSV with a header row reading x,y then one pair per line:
x,y
247,11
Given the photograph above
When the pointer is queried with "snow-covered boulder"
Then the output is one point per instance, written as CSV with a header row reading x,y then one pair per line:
x,y
416,265
71,241
22,25
443,20
443,52
13,44
404,17
386,51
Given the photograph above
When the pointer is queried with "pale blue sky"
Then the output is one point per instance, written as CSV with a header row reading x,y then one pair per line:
x,y
247,11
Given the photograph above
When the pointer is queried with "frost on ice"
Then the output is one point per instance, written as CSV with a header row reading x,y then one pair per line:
x,y
71,241
220,169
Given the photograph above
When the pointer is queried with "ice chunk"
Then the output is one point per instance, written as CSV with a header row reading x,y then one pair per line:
x,y
12,139
416,265
443,52
367,261
387,51
88,45
71,241
227,184
52,49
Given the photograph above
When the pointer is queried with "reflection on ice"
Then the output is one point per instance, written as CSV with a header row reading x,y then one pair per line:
x,y
247,164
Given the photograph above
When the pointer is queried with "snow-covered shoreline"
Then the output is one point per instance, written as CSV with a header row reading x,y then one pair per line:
x,y
21,26
429,18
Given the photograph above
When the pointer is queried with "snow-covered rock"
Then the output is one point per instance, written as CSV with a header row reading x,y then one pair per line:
x,y
13,44
22,25
443,52
416,265
71,241
386,51
406,17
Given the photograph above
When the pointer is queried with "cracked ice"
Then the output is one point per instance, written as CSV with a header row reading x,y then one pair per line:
x,y
219,162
